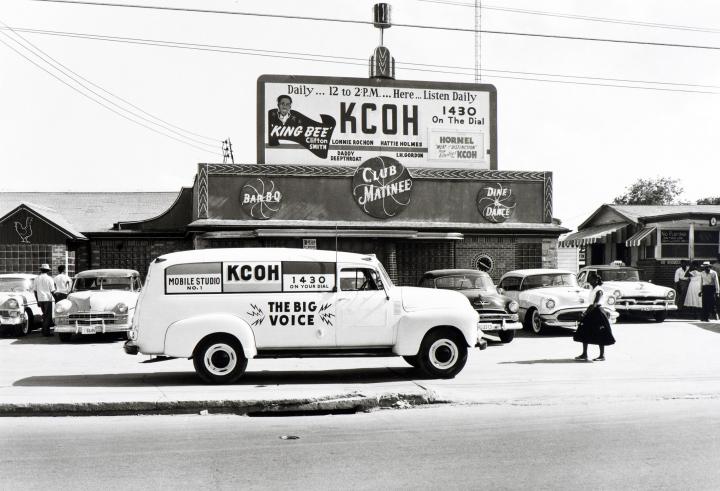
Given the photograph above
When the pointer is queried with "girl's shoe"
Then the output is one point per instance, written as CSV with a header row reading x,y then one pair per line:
x,y
581,358
599,358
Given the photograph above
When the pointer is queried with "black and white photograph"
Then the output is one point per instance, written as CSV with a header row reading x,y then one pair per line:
x,y
349,244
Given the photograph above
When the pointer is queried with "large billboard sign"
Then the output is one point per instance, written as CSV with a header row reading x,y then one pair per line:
x,y
346,121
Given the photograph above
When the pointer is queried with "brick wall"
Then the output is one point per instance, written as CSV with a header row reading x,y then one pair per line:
x,y
659,272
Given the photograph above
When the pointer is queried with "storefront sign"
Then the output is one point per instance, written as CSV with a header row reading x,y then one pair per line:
x,y
674,236
260,198
381,187
345,121
496,203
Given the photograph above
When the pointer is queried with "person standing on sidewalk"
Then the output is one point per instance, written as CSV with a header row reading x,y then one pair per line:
x,y
62,284
710,289
682,280
594,326
44,288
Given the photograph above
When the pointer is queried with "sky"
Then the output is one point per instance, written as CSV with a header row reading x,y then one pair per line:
x,y
595,138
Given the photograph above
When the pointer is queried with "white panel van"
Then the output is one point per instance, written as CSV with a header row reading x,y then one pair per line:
x,y
222,307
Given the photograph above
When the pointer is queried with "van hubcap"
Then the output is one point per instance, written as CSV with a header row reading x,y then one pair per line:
x,y
220,359
443,354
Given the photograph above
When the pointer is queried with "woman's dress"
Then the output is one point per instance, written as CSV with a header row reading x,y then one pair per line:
x,y
692,297
594,327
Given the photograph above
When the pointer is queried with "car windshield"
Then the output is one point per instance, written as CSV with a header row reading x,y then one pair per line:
x,y
549,280
102,283
14,285
467,281
619,275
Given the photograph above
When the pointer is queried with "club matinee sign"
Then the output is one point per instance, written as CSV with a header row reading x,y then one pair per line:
x,y
346,121
382,187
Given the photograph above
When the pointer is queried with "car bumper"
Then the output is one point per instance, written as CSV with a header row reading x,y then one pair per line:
x,y
645,307
499,326
99,328
12,321
553,320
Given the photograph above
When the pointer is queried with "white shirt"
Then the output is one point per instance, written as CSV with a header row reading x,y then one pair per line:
x,y
44,286
62,283
679,274
593,293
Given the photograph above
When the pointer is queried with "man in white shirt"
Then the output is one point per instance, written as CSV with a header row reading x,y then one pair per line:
x,y
710,289
44,288
681,283
62,284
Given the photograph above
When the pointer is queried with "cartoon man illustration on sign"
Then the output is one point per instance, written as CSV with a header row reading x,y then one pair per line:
x,y
289,125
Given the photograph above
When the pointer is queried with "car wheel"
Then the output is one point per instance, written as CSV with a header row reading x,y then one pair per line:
x,y
660,316
506,336
23,329
443,353
412,360
533,321
65,337
219,359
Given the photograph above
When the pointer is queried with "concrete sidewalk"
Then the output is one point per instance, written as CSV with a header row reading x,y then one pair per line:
x,y
674,359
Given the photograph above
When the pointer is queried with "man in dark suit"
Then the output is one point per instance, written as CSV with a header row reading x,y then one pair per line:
x,y
282,116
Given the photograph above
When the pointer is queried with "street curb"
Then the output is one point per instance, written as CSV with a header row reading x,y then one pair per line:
x,y
346,403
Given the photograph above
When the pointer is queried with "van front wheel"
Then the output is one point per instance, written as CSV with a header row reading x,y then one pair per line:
x,y
443,353
219,359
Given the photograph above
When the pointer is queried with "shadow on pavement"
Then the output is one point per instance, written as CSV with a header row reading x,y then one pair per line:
x,y
38,338
708,326
547,332
546,360
258,379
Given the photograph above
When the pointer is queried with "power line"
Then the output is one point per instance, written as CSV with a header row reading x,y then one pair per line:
x,y
91,98
72,75
579,17
415,26
302,56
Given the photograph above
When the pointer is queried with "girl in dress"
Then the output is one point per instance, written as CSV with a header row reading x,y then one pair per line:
x,y
594,326
692,297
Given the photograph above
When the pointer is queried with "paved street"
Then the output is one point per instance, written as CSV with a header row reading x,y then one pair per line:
x,y
672,360
658,444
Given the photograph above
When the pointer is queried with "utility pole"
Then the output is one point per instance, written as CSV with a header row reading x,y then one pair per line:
x,y
227,151
477,41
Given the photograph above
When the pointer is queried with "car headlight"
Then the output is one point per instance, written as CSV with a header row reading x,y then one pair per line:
x,y
617,294
62,307
611,301
671,294
549,303
122,308
513,307
12,304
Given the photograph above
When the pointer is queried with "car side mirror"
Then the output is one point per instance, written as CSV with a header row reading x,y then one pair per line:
x,y
501,291
587,286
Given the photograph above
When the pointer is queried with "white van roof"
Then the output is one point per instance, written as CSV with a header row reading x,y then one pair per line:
x,y
262,254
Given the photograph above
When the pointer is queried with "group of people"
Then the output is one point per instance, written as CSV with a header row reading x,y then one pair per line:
x,y
697,286
47,289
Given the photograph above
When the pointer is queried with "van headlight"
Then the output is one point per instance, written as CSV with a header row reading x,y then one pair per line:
x,y
549,304
122,308
513,307
671,294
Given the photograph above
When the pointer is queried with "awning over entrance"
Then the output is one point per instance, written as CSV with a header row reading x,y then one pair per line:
x,y
591,235
636,239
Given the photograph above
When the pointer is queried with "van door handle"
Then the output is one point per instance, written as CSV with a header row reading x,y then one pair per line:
x,y
343,299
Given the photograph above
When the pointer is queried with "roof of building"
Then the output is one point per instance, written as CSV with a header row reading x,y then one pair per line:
x,y
636,213
90,212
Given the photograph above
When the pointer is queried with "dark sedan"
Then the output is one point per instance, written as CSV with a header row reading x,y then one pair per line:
x,y
497,312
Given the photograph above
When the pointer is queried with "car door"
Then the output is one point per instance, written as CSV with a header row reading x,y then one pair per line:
x,y
362,308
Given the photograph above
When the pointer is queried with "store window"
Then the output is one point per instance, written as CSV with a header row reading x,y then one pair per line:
x,y
674,243
528,256
706,244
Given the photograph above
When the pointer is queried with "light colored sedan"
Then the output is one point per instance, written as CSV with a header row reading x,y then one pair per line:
x,y
19,309
549,297
101,301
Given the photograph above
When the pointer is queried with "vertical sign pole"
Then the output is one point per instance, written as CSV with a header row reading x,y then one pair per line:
x,y
477,41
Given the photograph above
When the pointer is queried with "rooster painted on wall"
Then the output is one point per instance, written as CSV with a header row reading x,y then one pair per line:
x,y
24,232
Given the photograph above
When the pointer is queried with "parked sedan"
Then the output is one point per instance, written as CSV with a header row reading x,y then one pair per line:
x,y
632,296
498,313
19,309
101,301
549,297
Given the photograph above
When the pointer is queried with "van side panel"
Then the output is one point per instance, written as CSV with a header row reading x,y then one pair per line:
x,y
182,336
414,325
